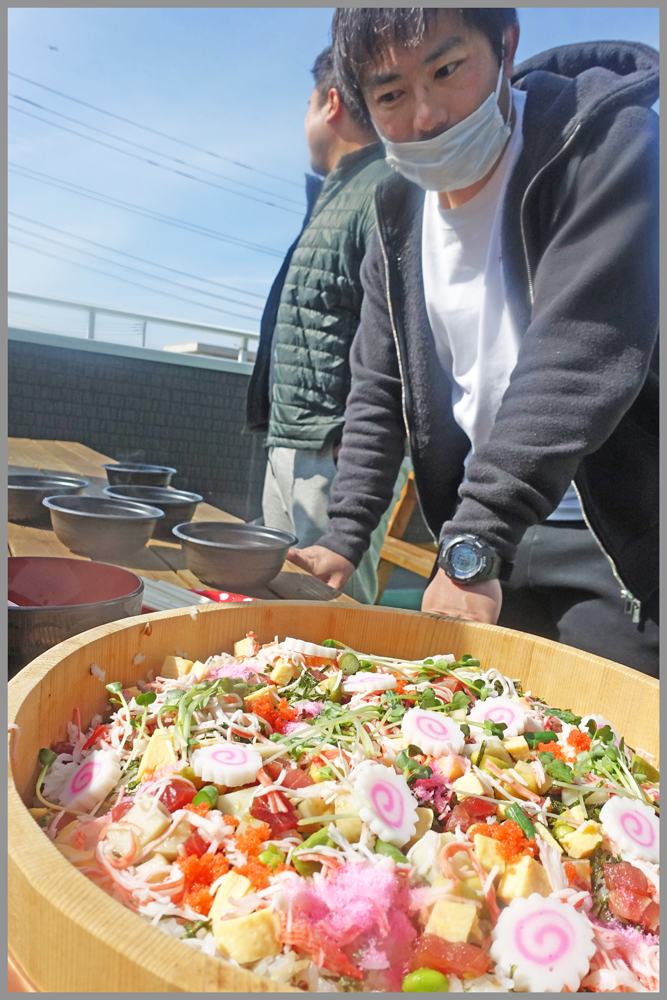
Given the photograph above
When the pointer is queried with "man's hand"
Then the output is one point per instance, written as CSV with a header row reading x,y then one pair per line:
x,y
477,602
326,565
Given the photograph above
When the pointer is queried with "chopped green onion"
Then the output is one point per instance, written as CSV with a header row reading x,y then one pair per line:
x,y
348,663
533,739
515,812
209,793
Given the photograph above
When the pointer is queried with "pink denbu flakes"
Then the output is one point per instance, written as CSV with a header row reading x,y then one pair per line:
x,y
363,904
310,708
242,671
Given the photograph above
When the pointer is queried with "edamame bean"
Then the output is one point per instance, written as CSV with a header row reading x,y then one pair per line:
x,y
272,857
425,981
381,847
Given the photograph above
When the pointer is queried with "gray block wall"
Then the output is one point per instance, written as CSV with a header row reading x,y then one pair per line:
x,y
144,411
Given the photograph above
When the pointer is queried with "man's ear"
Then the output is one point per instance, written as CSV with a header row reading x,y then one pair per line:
x,y
510,43
334,105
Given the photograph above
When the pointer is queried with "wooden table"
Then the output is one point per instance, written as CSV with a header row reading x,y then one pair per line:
x,y
158,560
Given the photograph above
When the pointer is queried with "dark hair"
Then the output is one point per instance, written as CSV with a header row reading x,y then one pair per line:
x,y
362,34
326,77
323,73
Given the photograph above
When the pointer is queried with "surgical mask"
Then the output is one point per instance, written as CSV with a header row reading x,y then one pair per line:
x,y
459,156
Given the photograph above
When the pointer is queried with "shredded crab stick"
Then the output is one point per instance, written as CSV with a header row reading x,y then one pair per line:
x,y
501,710
291,808
434,733
516,786
547,943
448,852
633,826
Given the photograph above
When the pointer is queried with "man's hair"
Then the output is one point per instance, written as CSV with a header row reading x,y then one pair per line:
x,y
362,35
323,73
325,77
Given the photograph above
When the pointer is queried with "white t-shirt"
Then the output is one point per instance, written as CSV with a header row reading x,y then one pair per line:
x,y
466,301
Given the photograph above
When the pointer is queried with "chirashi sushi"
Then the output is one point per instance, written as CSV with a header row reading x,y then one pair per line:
x,y
344,822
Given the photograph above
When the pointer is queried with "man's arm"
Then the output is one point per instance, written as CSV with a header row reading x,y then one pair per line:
x,y
585,355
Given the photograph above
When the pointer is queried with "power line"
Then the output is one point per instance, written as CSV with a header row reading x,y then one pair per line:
x,y
150,149
128,281
102,246
136,270
143,159
164,135
148,213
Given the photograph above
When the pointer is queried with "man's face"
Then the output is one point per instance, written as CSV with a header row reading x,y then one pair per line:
x,y
318,133
417,93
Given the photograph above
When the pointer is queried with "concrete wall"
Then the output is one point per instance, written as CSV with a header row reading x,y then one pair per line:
x,y
141,405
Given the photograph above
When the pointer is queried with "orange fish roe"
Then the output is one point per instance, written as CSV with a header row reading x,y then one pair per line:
x,y
579,741
259,874
201,809
200,873
553,748
252,843
231,821
276,717
252,840
401,685
512,842
571,872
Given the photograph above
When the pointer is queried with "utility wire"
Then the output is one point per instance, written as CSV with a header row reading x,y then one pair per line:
x,y
164,135
151,149
102,246
129,281
148,213
143,159
135,270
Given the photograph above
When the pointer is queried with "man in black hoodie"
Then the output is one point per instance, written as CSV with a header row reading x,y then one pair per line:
x,y
509,324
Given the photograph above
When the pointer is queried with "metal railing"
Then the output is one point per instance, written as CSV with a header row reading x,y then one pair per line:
x,y
95,310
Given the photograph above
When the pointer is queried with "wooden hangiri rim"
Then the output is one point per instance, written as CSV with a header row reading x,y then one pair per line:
x,y
68,935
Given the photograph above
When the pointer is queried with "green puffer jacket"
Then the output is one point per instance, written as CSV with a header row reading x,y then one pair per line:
x,y
302,373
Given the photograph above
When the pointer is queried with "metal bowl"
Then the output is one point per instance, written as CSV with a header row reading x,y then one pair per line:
x,y
59,598
26,492
233,556
138,474
102,528
178,506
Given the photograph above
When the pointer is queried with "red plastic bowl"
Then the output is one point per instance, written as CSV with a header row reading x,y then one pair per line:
x,y
59,598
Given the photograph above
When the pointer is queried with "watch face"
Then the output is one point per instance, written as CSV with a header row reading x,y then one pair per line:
x,y
465,561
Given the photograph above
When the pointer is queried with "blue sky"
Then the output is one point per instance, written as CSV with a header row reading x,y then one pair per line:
x,y
234,82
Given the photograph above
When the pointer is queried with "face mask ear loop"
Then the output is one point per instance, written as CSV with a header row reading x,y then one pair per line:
x,y
499,87
511,105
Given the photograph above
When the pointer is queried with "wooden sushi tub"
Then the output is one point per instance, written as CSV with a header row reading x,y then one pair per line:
x,y
66,933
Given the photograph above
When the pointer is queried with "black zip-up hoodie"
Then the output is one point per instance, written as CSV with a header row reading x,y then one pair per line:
x,y
580,262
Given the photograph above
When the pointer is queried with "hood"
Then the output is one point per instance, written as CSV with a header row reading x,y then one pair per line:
x,y
571,84
613,65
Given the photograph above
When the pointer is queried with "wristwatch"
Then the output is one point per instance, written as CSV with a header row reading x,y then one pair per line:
x,y
467,559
